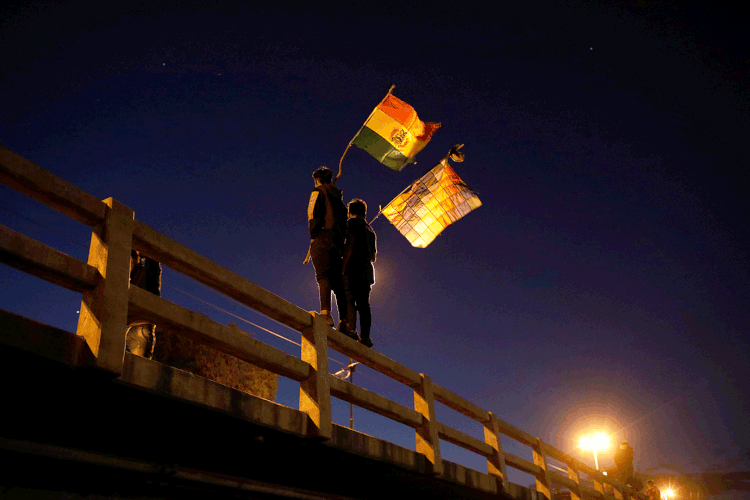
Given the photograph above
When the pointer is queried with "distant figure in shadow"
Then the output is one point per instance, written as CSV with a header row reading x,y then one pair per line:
x,y
360,251
624,462
145,273
651,491
623,471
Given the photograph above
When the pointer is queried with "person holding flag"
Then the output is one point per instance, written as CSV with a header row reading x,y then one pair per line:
x,y
326,215
360,251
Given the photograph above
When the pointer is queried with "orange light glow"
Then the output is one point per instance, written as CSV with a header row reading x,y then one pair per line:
x,y
597,442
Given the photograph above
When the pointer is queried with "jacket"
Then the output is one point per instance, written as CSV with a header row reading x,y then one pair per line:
x,y
624,456
360,250
326,212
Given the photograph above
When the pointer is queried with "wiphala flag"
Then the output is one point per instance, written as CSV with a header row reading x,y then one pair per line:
x,y
433,202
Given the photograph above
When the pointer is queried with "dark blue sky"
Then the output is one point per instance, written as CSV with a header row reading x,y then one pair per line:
x,y
604,281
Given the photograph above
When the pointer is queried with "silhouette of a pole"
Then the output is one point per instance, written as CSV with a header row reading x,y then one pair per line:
x,y
351,406
349,375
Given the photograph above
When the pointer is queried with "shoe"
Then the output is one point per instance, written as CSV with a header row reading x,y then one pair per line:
x,y
365,341
346,330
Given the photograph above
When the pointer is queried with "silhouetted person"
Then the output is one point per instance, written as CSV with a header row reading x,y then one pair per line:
x,y
145,273
360,251
651,491
624,462
326,215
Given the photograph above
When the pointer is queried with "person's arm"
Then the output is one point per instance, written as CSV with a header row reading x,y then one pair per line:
x,y
373,247
316,211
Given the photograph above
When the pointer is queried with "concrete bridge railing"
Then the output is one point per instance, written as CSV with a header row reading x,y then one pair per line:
x,y
108,300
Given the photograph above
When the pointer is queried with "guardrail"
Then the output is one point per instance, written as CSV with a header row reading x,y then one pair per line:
x,y
108,300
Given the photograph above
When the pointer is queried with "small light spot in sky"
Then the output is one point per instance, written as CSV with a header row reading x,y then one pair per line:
x,y
163,64
591,48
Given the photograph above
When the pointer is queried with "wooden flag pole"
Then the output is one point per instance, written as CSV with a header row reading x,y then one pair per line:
x,y
390,90
380,207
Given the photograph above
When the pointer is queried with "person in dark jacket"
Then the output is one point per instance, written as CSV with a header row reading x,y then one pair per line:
x,y
651,491
326,215
624,462
145,273
360,252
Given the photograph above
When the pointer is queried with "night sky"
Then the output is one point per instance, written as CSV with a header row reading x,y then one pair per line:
x,y
602,285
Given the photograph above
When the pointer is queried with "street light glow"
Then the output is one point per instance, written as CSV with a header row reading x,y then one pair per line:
x,y
669,492
597,442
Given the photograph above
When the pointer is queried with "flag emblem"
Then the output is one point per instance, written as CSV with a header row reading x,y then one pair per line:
x,y
433,202
400,138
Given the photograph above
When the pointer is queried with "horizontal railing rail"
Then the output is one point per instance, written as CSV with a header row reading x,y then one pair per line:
x,y
374,402
461,405
203,270
108,301
148,307
44,262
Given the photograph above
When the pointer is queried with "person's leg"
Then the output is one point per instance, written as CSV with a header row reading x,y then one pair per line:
x,y
319,253
337,285
351,310
324,293
347,319
363,306
361,293
339,290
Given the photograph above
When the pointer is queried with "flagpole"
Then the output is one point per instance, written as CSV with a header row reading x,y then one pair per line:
x,y
380,211
390,90
455,154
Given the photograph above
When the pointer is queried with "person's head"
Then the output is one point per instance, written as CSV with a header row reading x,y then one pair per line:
x,y
650,482
135,258
624,445
357,208
322,176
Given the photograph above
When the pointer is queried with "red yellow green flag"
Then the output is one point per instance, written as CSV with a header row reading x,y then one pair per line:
x,y
430,204
394,134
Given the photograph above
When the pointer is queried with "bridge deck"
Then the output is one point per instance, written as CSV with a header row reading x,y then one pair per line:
x,y
168,430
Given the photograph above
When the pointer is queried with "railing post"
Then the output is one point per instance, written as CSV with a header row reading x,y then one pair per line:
x,y
315,393
496,463
618,492
575,492
103,319
629,493
542,478
598,484
428,442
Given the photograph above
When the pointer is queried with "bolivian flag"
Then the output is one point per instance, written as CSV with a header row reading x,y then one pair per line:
x,y
430,204
393,133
